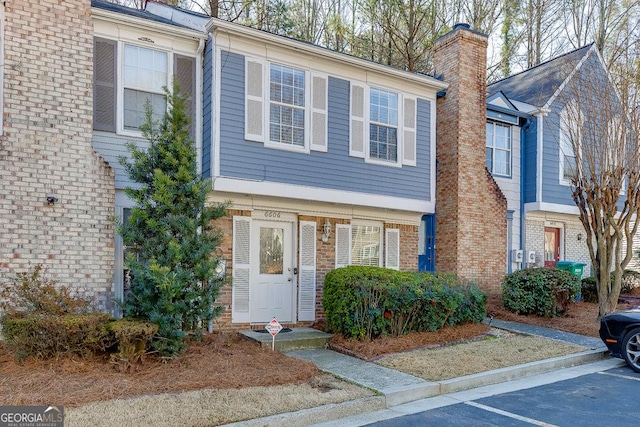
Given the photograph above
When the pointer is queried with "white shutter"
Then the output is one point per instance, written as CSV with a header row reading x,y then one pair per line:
x,y
241,269
343,245
392,248
254,115
307,277
358,130
319,102
409,131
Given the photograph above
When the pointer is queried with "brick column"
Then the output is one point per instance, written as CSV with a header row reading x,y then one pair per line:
x,y
471,211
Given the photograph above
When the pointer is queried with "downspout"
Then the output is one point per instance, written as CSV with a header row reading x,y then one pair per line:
x,y
199,87
523,239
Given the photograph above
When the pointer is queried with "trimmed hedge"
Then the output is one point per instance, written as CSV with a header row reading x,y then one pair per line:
x,y
134,340
367,302
541,291
46,336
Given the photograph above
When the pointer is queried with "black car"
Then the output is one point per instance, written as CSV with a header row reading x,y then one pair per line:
x,y
620,331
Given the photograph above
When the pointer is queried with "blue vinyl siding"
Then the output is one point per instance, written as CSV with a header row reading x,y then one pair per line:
x,y
112,147
207,123
332,170
530,154
552,190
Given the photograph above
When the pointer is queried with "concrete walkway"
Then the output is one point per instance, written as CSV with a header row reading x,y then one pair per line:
x,y
396,388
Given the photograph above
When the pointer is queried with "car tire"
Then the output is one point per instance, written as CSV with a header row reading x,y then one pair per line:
x,y
631,349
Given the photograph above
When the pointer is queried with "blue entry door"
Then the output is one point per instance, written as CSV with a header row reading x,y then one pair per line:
x,y
427,244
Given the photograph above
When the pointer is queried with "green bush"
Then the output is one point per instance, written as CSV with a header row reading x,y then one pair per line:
x,y
367,302
44,335
589,290
630,284
540,291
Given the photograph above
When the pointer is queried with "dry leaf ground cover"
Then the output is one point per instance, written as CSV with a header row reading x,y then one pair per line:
x,y
224,378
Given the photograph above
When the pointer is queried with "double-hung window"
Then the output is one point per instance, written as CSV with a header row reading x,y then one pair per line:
x,y
286,105
145,75
498,150
570,119
126,76
383,125
286,108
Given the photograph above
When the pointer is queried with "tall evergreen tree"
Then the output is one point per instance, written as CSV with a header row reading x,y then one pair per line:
x,y
170,231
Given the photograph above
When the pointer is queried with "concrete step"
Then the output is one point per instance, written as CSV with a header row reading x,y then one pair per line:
x,y
296,339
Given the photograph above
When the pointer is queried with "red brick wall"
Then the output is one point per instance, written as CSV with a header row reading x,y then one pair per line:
x,y
471,211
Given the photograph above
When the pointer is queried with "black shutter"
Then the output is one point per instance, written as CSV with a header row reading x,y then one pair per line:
x,y
104,85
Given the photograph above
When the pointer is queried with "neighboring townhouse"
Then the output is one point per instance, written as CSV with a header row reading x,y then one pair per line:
x,y
533,162
328,160
136,54
57,193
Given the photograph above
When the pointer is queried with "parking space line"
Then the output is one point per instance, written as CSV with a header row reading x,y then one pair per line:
x,y
510,415
627,377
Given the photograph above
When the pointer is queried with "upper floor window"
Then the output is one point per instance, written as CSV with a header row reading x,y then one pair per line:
x,y
383,125
498,148
145,74
569,139
567,158
287,105
124,83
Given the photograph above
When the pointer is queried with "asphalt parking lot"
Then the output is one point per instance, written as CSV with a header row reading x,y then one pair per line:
x,y
605,398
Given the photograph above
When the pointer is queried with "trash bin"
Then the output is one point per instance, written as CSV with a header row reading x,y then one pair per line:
x,y
575,268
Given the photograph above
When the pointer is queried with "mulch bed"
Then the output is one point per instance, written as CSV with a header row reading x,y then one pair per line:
x,y
217,361
385,345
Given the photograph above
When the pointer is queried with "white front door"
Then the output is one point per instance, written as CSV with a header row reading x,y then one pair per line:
x,y
272,279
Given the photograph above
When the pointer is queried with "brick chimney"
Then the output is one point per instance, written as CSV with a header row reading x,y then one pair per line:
x,y
471,210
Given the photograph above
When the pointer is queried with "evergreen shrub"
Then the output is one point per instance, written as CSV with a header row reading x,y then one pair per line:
x,y
541,291
45,335
368,302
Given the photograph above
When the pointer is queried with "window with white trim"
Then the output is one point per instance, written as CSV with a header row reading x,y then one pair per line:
x,y
498,152
126,76
286,108
145,74
383,125
361,243
569,138
287,105
366,241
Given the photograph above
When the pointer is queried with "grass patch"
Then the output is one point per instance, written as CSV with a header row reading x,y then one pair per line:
x,y
437,364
